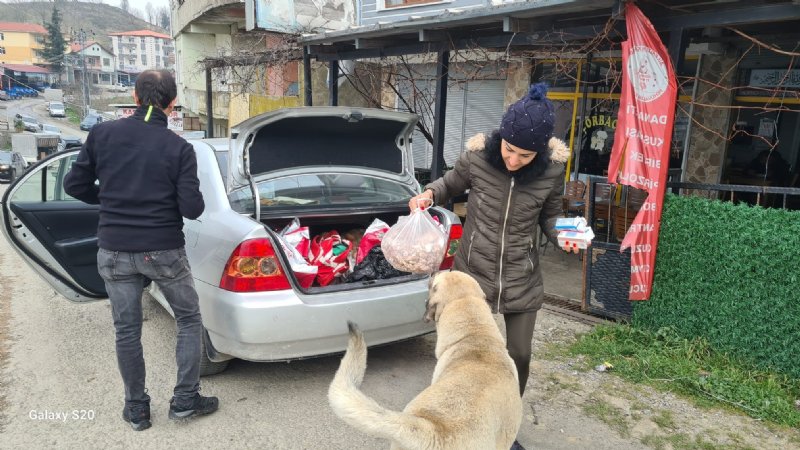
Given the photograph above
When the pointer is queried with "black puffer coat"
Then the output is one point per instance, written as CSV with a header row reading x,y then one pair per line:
x,y
497,247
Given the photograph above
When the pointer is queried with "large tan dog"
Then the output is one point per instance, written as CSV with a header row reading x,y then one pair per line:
x,y
473,401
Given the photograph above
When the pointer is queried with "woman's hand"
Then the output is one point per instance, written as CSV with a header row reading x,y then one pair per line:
x,y
421,201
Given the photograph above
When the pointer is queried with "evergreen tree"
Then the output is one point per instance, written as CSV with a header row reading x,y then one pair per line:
x,y
55,44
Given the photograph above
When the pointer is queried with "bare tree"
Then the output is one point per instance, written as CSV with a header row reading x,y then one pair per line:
x,y
150,13
163,17
125,5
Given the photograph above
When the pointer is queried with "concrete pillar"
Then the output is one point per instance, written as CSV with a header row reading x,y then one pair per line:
x,y
708,136
518,80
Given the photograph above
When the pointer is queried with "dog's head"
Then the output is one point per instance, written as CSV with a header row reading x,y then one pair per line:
x,y
446,286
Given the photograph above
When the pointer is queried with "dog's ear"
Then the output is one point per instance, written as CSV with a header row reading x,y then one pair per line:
x,y
432,306
433,310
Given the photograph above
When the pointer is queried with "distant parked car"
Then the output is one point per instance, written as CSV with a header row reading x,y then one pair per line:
x,y
12,165
30,123
4,96
57,109
47,128
90,120
66,142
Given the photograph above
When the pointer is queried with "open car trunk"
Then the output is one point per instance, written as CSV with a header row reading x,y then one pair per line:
x,y
319,224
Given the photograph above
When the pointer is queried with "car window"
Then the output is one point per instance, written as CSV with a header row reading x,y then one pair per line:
x,y
222,162
334,189
47,184
5,158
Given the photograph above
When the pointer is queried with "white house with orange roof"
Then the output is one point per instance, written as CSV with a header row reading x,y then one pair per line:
x,y
100,63
140,50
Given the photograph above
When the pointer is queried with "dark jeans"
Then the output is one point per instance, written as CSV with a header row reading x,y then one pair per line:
x,y
519,335
125,274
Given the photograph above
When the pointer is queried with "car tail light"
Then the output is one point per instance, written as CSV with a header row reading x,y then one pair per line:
x,y
254,267
452,245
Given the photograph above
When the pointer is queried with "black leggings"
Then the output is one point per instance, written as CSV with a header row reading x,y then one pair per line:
x,y
519,336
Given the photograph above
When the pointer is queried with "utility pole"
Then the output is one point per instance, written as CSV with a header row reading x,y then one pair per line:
x,y
80,36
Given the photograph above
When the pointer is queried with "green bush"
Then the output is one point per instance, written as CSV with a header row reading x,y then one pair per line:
x,y
729,274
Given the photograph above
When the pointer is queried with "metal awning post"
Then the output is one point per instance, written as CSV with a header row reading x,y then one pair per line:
x,y
442,74
678,39
309,100
209,106
333,83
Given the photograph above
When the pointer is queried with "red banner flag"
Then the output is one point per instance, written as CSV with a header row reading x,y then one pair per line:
x,y
640,156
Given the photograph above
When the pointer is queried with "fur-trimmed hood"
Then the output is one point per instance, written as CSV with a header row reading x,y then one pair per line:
x,y
557,153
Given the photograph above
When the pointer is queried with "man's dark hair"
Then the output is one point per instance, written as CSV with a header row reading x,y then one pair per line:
x,y
156,87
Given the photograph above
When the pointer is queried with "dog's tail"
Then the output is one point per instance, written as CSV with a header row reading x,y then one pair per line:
x,y
363,413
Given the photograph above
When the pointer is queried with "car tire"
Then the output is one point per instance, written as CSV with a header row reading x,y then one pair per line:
x,y
208,367
13,176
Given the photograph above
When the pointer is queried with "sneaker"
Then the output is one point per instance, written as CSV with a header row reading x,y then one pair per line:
x,y
197,406
517,446
138,415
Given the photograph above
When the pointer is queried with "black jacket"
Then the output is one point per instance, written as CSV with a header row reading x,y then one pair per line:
x,y
148,182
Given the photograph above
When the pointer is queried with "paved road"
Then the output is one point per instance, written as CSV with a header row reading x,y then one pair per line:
x,y
37,107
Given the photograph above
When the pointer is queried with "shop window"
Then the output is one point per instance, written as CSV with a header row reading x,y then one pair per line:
x,y
604,76
561,76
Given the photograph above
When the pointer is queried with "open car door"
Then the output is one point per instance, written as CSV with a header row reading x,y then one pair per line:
x,y
54,233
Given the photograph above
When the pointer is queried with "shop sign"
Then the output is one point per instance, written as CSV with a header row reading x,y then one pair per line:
x,y
640,155
775,77
174,121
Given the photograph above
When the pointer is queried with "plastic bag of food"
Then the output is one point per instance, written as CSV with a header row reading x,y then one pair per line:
x,y
329,252
297,236
372,237
415,243
303,271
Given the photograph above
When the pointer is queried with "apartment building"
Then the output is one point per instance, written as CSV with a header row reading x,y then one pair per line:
x,y
22,43
140,50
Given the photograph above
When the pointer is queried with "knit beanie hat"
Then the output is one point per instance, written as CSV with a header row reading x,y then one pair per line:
x,y
528,123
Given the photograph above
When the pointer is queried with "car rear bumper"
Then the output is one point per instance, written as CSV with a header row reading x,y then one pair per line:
x,y
280,326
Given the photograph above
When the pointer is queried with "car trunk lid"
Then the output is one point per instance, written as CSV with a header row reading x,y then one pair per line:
x,y
322,137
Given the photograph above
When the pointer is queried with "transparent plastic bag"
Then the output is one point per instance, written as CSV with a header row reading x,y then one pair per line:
x,y
415,243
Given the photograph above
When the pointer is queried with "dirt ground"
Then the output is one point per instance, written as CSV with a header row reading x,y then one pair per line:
x,y
634,412
5,313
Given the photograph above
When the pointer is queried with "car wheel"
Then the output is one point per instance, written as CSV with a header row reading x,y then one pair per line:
x,y
208,367
13,176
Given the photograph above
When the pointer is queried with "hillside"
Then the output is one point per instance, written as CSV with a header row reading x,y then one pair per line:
x,y
102,19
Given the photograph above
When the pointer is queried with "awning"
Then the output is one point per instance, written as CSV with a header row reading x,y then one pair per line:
x,y
25,68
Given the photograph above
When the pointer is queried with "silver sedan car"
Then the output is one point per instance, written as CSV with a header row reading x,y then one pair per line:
x,y
333,168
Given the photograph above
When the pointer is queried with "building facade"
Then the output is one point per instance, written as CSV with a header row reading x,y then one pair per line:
x,y
221,30
140,50
100,64
22,43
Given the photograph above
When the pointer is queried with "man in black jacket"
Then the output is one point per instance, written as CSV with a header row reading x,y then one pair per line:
x,y
147,183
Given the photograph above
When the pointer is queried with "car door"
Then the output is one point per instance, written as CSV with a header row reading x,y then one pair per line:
x,y
52,231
